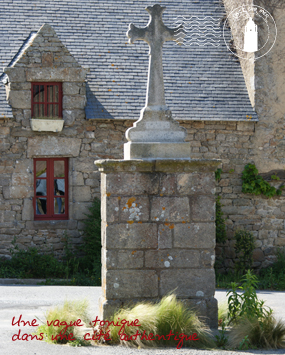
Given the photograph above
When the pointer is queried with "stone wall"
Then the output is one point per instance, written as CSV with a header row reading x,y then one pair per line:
x,y
232,142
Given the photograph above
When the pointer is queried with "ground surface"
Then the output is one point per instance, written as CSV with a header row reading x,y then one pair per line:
x,y
33,301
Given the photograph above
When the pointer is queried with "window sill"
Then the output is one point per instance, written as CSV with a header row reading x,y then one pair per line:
x,y
46,125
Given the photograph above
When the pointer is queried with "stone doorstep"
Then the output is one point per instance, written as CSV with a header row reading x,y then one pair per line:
x,y
7,281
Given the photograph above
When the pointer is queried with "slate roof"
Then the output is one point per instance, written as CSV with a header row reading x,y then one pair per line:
x,y
201,82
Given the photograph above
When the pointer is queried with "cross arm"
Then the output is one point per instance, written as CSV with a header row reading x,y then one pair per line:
x,y
173,34
134,33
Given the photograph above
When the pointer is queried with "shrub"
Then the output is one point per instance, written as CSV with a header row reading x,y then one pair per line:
x,y
244,247
92,241
30,263
168,315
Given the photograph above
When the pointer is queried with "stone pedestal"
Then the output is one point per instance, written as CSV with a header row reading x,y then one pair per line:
x,y
158,233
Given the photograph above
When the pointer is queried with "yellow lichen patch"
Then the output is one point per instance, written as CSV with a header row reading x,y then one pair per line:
x,y
133,252
130,222
167,224
131,201
171,226
167,254
163,229
110,90
113,65
158,278
119,198
161,259
108,194
161,195
183,222
140,222
189,82
163,208
124,208
114,81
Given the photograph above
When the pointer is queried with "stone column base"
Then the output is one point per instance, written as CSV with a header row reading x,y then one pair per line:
x,y
158,233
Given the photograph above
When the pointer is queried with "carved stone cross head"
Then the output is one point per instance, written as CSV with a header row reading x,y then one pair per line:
x,y
155,34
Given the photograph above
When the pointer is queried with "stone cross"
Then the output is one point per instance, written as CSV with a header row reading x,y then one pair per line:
x,y
156,135
155,34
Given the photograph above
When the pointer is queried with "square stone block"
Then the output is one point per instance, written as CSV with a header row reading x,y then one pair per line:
x,y
194,235
135,208
132,184
131,283
187,283
164,237
173,258
131,236
190,184
124,259
167,184
170,209
203,208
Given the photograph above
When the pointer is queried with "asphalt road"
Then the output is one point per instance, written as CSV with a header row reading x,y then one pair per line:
x,y
33,301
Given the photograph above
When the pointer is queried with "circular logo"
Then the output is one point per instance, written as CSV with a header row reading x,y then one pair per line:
x,y
253,31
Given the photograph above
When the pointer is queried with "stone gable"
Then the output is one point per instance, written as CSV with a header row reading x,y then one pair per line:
x,y
46,59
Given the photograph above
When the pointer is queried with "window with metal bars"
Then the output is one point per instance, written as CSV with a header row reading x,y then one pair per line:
x,y
50,188
46,100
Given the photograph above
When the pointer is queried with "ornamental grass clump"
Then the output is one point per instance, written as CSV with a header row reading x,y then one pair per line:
x,y
264,332
158,322
68,314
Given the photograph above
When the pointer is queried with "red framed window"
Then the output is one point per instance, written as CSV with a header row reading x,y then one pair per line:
x,y
51,188
46,100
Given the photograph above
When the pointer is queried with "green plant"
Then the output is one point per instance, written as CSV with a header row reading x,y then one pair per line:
x,y
244,247
244,344
221,235
159,319
246,304
92,239
69,313
253,183
222,339
218,173
273,277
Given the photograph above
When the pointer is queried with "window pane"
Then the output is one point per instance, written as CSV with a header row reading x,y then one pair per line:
x,y
56,93
59,168
50,93
36,110
41,168
50,110
41,111
41,187
41,206
36,93
59,187
55,108
59,205
42,93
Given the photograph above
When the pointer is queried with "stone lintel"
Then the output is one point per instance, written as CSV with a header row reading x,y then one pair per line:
x,y
56,74
108,166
